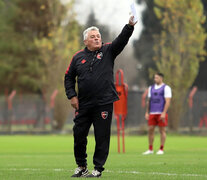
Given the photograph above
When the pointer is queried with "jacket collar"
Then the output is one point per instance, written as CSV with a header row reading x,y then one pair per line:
x,y
88,51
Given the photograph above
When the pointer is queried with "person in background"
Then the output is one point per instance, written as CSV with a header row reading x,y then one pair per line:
x,y
159,97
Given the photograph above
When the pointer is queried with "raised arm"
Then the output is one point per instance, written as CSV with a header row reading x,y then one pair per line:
x,y
120,42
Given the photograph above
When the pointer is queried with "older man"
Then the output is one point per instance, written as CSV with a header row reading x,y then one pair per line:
x,y
93,67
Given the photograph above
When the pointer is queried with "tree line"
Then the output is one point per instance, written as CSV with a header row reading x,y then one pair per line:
x,y
174,42
37,37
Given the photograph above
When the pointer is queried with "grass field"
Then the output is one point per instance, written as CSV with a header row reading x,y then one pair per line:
x,y
51,157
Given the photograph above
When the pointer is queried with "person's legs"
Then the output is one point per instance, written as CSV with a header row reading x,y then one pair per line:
x,y
102,116
80,133
152,122
151,130
162,124
162,137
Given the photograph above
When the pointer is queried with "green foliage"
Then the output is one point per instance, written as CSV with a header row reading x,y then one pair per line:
x,y
6,46
37,38
21,65
179,48
55,50
200,81
143,47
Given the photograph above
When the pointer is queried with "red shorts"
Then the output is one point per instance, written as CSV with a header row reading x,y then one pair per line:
x,y
154,120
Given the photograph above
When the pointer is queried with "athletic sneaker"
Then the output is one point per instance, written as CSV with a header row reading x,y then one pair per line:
x,y
160,152
148,152
80,172
95,173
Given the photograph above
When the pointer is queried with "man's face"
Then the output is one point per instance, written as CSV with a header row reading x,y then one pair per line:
x,y
158,79
93,41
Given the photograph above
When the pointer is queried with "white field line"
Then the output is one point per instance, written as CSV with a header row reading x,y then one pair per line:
x,y
108,171
157,173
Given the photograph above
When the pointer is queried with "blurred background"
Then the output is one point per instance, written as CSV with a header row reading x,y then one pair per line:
x,y
39,37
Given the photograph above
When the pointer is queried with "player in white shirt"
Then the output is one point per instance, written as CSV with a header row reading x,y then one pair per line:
x,y
159,97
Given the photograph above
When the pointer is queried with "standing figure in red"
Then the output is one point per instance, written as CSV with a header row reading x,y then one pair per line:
x,y
159,96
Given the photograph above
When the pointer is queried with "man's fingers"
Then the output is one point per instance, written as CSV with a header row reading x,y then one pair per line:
x,y
162,118
73,105
77,106
131,21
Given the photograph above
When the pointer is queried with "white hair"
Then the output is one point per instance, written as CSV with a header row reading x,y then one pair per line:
x,y
85,33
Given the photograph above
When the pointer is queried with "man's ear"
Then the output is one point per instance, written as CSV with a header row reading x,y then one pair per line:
x,y
85,42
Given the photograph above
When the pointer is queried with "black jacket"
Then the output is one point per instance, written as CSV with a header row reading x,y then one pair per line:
x,y
94,72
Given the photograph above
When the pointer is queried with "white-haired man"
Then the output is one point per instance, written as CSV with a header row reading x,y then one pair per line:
x,y
93,67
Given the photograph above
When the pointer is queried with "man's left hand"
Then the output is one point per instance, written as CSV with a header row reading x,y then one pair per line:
x,y
162,117
131,22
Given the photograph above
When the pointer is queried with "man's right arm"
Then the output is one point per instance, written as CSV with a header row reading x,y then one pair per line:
x,y
147,104
147,110
70,80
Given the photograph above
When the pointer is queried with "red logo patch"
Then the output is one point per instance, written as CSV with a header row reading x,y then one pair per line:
x,y
99,55
104,114
76,113
83,61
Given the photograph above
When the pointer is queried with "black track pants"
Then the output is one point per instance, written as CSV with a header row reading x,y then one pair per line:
x,y
100,117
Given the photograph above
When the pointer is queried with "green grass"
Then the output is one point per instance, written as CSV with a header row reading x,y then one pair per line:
x,y
51,157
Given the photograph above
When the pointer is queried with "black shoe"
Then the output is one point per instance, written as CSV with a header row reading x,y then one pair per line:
x,y
80,172
95,173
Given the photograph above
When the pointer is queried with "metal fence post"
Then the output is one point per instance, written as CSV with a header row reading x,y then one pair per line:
x,y
52,106
10,113
190,104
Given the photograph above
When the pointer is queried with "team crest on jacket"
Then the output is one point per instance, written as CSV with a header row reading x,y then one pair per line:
x,y
104,114
83,61
99,55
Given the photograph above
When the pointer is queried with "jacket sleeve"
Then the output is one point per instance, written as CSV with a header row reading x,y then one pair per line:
x,y
121,41
70,80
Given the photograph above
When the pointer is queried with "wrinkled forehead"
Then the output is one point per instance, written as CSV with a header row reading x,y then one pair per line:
x,y
93,33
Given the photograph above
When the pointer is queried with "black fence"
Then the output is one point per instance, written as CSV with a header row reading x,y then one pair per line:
x,y
195,117
25,113
31,112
